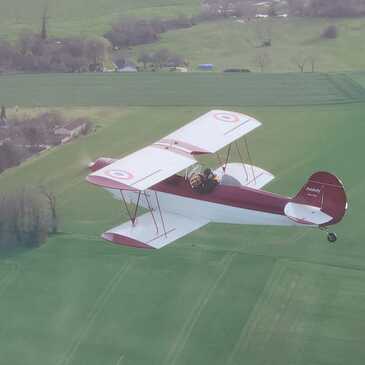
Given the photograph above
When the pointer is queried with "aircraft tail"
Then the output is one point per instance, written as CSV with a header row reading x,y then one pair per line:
x,y
325,192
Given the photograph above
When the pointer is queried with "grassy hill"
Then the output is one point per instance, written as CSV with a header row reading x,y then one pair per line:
x,y
223,295
229,44
225,43
69,17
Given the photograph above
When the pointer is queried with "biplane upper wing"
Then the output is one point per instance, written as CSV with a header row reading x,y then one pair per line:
x,y
150,165
141,169
212,131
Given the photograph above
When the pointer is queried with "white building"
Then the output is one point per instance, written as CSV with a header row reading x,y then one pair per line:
x,y
70,130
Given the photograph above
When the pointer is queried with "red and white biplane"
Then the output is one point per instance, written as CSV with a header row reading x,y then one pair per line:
x,y
149,178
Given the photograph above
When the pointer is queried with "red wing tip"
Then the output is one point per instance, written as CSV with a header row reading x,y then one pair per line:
x,y
124,240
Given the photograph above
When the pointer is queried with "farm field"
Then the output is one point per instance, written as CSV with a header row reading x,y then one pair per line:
x,y
222,295
172,89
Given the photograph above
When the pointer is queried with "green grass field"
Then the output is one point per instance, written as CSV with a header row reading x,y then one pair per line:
x,y
222,295
171,89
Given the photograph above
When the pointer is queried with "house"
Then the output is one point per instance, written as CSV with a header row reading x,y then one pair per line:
x,y
178,69
71,130
128,69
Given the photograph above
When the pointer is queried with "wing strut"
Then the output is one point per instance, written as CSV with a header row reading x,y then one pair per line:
x,y
151,211
126,205
159,209
134,216
250,160
228,153
241,158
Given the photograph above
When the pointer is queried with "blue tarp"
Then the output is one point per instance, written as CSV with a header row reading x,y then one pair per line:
x,y
206,66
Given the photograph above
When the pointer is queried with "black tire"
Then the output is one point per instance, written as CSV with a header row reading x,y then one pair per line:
x,y
331,236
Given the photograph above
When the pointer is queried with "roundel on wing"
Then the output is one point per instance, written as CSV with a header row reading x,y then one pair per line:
x,y
119,174
227,117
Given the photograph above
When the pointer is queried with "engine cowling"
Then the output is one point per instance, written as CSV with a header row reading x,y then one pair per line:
x,y
100,163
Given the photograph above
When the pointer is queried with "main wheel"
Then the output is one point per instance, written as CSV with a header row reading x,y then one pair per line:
x,y
331,236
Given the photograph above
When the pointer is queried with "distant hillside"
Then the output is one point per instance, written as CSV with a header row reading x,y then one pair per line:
x,y
227,43
72,17
234,43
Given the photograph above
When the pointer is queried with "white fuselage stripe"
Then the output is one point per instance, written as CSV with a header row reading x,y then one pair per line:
x,y
201,209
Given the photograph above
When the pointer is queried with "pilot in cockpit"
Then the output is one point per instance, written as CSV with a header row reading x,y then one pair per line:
x,y
205,182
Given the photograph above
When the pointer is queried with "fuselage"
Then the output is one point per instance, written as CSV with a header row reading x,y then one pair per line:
x,y
226,204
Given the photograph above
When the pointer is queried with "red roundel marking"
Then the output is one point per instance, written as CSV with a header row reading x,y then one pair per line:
x,y
227,117
119,174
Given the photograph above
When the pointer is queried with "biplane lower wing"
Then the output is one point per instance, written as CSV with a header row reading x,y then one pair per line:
x,y
153,231
238,174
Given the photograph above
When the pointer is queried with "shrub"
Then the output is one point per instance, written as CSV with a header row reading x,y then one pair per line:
x,y
330,32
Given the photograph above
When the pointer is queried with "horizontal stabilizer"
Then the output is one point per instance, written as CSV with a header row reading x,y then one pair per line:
x,y
306,214
153,231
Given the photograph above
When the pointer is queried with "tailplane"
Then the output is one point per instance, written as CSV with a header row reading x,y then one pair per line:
x,y
321,201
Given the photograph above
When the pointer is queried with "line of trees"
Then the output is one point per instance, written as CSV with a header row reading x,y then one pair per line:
x,y
226,8
327,8
27,217
32,53
161,58
131,31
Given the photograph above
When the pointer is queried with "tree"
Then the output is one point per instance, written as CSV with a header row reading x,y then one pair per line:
x,y
3,114
312,59
145,58
161,57
51,199
330,32
262,60
176,60
7,54
24,218
97,49
44,23
300,60
10,156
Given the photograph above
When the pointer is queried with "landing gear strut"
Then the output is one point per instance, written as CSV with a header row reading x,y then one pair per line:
x,y
331,236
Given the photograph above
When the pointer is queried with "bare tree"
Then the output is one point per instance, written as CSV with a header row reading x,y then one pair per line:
x,y
262,60
299,60
44,27
51,199
3,114
312,59
145,58
23,218
161,57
